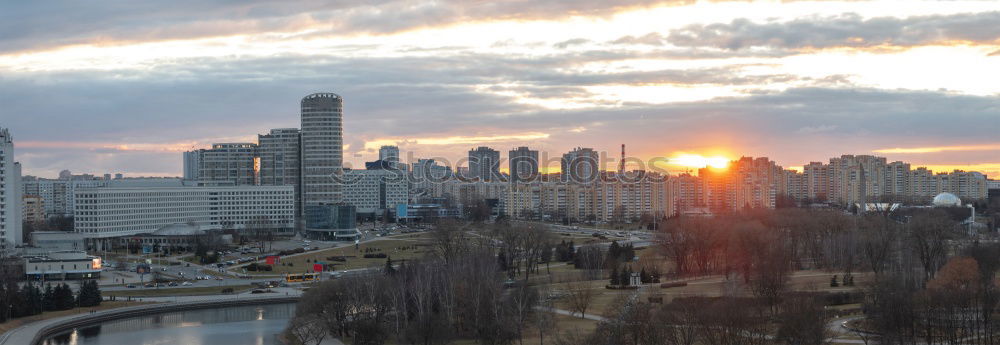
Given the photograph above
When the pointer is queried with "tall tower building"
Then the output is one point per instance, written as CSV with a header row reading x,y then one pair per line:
x,y
523,164
390,155
322,156
581,165
191,160
484,163
10,194
278,153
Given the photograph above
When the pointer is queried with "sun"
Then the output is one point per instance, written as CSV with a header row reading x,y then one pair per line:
x,y
699,161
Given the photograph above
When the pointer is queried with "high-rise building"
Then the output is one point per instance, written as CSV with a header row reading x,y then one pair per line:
x,y
33,209
322,154
685,193
582,165
817,181
10,194
426,174
278,155
390,155
523,164
232,163
484,164
191,160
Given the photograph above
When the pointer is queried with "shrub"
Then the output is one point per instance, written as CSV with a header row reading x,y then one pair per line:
x,y
673,285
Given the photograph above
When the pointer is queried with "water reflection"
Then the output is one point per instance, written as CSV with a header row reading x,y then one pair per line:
x,y
225,326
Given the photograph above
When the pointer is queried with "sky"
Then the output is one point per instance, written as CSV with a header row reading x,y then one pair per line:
x,y
126,86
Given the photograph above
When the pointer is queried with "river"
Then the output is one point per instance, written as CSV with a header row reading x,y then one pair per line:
x,y
246,325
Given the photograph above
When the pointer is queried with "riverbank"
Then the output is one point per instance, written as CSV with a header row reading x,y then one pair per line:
x,y
35,332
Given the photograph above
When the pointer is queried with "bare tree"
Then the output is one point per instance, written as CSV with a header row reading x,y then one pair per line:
x,y
878,238
679,320
261,230
927,234
580,296
448,240
545,319
802,322
306,330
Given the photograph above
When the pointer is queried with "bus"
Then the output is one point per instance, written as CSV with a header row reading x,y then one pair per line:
x,y
301,277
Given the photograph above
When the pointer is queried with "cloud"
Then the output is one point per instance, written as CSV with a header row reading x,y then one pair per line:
x,y
31,25
816,129
653,39
937,149
847,30
387,100
571,42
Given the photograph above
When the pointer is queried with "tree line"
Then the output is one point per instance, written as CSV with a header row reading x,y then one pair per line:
x,y
29,299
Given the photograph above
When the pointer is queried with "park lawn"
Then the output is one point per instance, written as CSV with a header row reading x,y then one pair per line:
x,y
565,326
302,263
191,259
12,324
192,291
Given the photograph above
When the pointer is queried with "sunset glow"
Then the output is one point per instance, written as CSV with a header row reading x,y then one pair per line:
x,y
699,161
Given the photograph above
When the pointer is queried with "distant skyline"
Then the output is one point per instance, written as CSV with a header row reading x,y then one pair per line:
x,y
119,86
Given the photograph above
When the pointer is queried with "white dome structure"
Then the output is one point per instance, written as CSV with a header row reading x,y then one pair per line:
x,y
946,200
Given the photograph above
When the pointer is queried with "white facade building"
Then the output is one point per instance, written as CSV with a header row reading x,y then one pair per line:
x,y
10,194
58,195
114,212
63,265
373,191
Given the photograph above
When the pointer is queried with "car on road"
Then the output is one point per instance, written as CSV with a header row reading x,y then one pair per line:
x,y
130,286
186,284
172,284
219,278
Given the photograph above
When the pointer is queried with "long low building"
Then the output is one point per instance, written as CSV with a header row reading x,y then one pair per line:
x,y
63,265
116,212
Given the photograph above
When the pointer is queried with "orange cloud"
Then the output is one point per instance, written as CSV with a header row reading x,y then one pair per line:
x,y
936,149
177,146
991,169
456,140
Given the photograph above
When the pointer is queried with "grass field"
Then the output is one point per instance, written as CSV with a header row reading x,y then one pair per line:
x,y
194,291
12,324
398,248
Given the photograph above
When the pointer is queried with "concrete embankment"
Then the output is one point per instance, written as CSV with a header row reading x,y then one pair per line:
x,y
35,333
